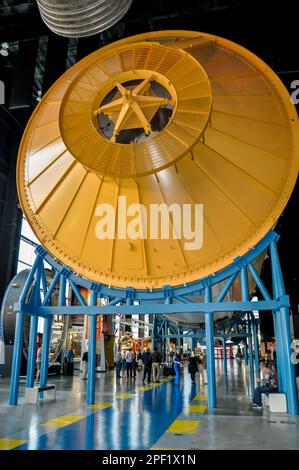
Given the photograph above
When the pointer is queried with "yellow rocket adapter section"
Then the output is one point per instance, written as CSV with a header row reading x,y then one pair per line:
x,y
166,117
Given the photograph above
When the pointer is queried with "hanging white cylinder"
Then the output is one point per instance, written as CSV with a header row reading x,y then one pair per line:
x,y
80,18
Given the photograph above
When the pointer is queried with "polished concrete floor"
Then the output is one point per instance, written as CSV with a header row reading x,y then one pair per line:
x,y
131,415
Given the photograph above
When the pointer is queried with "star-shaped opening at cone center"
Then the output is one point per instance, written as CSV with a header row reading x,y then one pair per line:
x,y
133,107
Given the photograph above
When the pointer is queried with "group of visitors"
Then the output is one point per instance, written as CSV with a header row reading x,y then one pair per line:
x,y
128,362
151,364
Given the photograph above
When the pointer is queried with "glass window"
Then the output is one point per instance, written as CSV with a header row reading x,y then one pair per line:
x,y
28,244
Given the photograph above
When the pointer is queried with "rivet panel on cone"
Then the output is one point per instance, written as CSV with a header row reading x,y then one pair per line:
x,y
227,138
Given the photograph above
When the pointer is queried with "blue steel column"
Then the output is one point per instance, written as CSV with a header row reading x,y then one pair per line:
x,y
210,354
47,336
92,340
283,313
18,340
194,342
278,332
31,360
245,298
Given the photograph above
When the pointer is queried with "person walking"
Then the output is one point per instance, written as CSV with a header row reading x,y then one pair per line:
x,y
129,362
192,366
123,357
38,362
84,365
177,367
203,368
156,360
118,363
147,363
134,364
139,362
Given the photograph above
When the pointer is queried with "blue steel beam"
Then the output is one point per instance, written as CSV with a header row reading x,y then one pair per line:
x,y
51,288
158,309
159,294
18,340
278,332
259,282
227,287
43,278
77,293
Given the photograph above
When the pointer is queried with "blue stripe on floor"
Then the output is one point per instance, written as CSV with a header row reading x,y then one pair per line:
x,y
132,423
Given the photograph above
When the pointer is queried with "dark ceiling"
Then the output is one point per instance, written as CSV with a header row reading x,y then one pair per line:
x,y
36,58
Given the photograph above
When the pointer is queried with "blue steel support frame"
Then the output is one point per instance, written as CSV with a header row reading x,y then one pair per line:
x,y
18,342
283,314
167,301
278,333
31,359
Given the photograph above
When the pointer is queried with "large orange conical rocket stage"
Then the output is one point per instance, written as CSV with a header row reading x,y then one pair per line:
x,y
164,117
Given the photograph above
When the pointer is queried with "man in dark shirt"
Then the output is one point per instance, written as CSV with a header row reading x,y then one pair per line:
x,y
84,365
147,363
156,360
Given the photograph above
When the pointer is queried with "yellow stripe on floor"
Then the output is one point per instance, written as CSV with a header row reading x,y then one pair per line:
x,y
8,444
200,397
125,395
101,406
62,421
197,408
143,389
183,427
